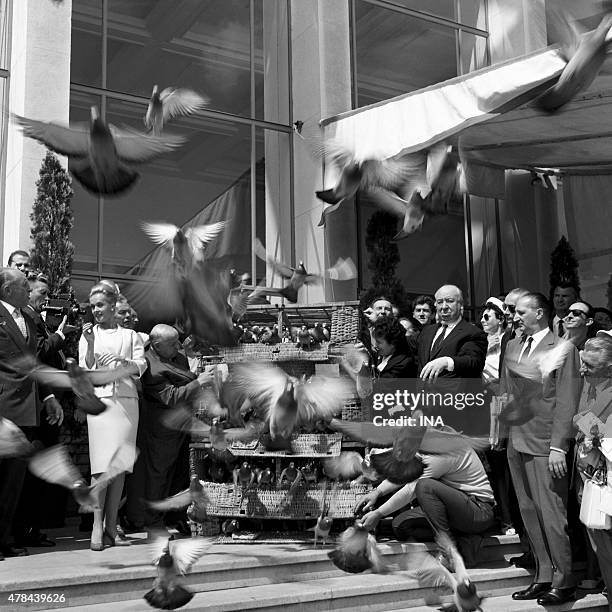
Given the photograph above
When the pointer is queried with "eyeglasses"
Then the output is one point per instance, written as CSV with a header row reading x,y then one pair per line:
x,y
510,308
486,316
578,313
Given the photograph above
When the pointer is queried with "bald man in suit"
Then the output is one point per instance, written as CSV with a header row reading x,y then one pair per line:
x,y
19,396
538,443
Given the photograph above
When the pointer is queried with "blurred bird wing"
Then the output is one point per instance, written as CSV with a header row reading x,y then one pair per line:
x,y
181,419
436,159
244,434
103,376
54,465
346,465
159,544
159,233
180,102
186,552
73,140
393,172
445,542
264,384
320,397
375,556
51,377
343,269
180,500
279,267
563,30
13,442
203,234
430,572
549,361
122,460
136,147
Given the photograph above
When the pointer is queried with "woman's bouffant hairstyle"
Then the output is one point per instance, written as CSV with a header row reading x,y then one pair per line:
x,y
391,330
106,290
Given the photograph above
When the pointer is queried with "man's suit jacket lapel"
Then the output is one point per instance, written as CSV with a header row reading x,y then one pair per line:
x,y
8,322
547,342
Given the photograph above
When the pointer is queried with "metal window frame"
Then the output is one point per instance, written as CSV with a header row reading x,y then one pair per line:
x,y
5,74
254,123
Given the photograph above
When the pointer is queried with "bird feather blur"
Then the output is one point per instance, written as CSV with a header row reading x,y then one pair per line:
x,y
357,551
82,382
13,442
185,286
100,154
433,575
175,559
343,269
55,466
585,52
168,104
194,494
286,402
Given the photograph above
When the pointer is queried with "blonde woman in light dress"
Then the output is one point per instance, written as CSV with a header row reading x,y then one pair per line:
x,y
103,345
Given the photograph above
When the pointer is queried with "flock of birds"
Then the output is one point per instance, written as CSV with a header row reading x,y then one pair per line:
x,y
261,402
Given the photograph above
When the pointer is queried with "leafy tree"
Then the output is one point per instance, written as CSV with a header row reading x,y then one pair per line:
x,y
52,219
563,266
383,259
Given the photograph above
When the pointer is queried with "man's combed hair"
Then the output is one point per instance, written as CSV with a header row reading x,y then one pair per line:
x,y
389,329
539,300
18,252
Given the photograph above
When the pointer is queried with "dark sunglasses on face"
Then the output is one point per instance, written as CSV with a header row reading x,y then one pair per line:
x,y
511,309
486,317
577,313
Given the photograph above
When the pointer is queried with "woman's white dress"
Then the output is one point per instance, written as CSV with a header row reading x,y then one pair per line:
x,y
116,427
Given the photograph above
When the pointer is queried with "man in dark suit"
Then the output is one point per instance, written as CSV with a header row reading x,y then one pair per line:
x,y
451,356
19,396
167,383
537,447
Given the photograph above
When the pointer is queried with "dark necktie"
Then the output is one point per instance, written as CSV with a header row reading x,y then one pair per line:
x,y
591,393
528,343
438,341
561,329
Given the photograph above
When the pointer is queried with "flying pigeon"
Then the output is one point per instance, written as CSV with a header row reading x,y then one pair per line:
x,y
195,495
346,466
285,402
13,442
586,55
175,560
186,246
81,381
343,269
100,154
169,103
55,466
358,551
432,574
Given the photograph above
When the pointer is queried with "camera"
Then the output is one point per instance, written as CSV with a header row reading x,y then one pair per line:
x,y
64,304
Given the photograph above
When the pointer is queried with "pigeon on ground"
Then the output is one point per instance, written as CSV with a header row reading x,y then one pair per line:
x,y
100,154
324,521
169,103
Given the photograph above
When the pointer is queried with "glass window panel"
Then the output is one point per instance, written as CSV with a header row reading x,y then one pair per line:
x,y
398,53
204,46
440,8
473,13
473,52
82,284
86,44
84,204
204,181
273,198
4,33
271,61
429,258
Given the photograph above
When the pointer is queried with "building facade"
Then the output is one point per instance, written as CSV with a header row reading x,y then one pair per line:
x,y
264,65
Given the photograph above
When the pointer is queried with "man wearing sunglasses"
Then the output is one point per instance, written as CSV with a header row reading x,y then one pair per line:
x,y
579,324
564,295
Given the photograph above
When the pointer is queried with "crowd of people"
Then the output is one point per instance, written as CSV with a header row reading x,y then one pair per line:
x,y
527,482
530,480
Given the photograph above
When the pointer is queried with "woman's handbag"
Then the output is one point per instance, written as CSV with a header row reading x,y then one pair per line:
x,y
593,512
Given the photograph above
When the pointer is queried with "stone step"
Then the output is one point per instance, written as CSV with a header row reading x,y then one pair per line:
x,y
593,603
124,573
346,593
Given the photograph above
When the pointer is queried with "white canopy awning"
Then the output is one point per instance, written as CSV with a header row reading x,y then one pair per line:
x,y
492,115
